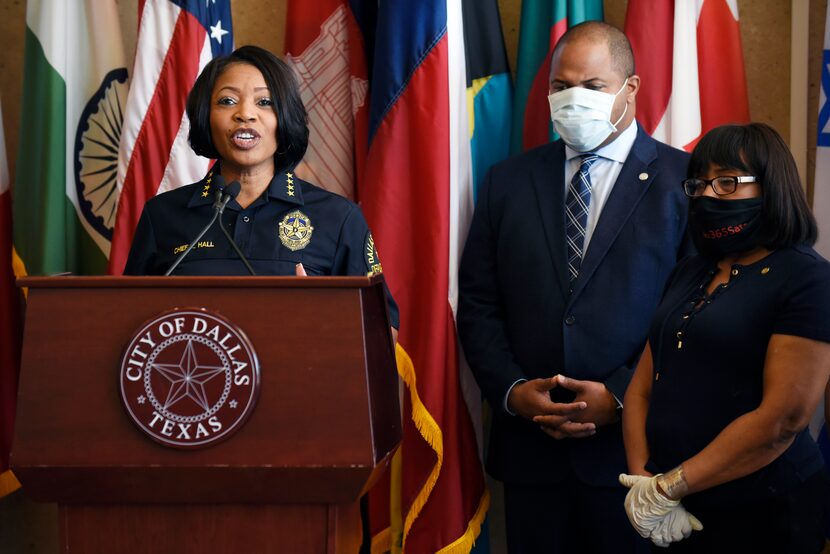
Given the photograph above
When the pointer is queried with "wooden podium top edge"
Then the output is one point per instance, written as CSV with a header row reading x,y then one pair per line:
x,y
247,281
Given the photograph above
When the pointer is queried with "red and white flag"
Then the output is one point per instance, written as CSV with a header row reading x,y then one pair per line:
x,y
688,54
175,41
324,46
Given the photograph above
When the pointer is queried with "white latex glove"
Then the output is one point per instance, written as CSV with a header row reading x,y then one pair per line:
x,y
654,515
676,526
644,505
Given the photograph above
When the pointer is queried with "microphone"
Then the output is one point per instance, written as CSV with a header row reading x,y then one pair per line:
x,y
219,204
231,191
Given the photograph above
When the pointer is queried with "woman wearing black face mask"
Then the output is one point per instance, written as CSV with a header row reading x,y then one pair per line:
x,y
737,360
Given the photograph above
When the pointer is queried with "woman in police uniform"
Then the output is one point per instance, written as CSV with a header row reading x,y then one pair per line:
x,y
245,111
737,359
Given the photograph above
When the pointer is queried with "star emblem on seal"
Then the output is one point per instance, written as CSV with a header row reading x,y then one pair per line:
x,y
188,379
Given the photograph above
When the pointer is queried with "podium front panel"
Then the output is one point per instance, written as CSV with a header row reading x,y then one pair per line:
x,y
326,417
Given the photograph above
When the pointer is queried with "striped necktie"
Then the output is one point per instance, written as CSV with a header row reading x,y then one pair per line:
x,y
576,214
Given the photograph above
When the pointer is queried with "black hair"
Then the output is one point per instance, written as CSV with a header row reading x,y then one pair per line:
x,y
758,149
292,119
622,56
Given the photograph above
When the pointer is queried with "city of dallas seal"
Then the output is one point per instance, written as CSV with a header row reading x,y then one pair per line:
x,y
189,378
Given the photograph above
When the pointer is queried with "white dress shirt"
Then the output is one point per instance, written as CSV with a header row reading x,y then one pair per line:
x,y
603,172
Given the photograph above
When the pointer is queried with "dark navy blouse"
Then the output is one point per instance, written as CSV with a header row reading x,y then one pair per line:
x,y
709,360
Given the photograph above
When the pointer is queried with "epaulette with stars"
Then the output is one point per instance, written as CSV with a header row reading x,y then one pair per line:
x,y
289,179
206,188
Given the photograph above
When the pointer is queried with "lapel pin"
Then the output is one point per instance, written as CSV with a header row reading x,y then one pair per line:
x,y
643,176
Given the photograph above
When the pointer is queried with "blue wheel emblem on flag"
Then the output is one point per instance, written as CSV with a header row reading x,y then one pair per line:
x,y
96,152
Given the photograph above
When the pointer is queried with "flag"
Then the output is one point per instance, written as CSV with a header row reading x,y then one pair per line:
x,y
10,327
417,197
821,209
489,107
324,46
542,23
821,188
489,90
74,86
176,39
685,50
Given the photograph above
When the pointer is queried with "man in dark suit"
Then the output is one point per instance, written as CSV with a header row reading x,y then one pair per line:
x,y
568,252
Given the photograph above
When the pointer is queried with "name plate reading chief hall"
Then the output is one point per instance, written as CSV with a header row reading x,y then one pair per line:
x,y
189,378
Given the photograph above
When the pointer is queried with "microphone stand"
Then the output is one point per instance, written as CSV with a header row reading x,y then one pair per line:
x,y
233,242
219,207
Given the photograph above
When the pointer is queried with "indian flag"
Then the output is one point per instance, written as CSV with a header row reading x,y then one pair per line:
x,y
74,89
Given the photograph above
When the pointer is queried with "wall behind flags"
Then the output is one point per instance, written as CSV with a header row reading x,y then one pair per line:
x,y
766,35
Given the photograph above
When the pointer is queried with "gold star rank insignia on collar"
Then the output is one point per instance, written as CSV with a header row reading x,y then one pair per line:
x,y
295,230
289,179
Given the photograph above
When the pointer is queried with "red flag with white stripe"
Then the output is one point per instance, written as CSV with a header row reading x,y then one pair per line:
x,y
688,53
175,41
10,326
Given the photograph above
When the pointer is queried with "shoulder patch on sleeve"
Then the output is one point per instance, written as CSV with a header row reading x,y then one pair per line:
x,y
371,254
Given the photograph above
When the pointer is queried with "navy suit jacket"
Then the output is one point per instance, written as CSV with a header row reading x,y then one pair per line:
x,y
516,319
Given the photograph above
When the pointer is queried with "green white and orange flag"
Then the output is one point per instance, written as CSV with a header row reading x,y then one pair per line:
x,y
74,89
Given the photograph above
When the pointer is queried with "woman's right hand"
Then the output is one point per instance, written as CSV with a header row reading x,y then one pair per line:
x,y
654,515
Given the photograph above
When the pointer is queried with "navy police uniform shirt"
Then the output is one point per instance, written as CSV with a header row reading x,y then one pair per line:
x,y
291,222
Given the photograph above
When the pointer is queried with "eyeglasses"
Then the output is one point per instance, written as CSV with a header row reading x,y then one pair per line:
x,y
723,186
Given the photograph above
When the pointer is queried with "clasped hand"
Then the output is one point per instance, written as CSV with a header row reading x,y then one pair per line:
x,y
653,514
593,406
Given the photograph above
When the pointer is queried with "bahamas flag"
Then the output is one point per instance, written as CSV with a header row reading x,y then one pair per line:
x,y
542,23
74,88
417,197
489,90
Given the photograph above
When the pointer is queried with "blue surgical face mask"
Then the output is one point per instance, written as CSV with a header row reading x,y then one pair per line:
x,y
582,117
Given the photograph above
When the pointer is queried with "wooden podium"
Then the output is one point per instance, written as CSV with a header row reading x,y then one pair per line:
x,y
323,428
